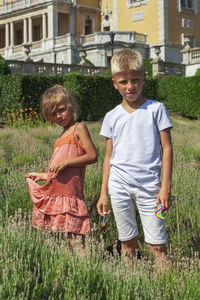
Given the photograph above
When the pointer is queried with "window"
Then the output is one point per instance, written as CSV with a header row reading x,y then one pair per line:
x,y
2,37
186,4
88,26
36,33
132,3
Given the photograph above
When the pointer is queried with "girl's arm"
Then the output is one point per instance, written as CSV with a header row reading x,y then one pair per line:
x,y
164,195
37,176
90,157
103,199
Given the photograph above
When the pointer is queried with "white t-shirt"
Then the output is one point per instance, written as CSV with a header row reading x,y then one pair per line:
x,y
136,156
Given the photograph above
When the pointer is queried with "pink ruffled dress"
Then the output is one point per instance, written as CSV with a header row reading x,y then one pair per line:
x,y
58,204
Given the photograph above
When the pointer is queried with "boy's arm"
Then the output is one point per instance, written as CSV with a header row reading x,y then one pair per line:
x,y
164,195
103,199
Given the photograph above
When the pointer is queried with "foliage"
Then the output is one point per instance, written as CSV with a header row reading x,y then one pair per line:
x,y
4,68
96,94
197,72
24,91
148,67
39,265
180,95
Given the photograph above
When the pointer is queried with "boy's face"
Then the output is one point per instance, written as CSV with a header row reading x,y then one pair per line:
x,y
130,84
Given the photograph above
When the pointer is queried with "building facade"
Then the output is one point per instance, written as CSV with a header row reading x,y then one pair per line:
x,y
55,31
166,23
48,30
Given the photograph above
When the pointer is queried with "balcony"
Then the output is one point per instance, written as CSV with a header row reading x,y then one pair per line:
x,y
8,7
119,36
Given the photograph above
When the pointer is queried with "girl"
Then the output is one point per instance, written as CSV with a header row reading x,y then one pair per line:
x,y
58,204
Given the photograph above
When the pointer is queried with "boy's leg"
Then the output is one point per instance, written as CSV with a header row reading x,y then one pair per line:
x,y
128,248
153,227
160,256
124,211
158,251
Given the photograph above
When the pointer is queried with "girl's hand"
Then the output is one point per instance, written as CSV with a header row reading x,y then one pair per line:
x,y
59,167
37,176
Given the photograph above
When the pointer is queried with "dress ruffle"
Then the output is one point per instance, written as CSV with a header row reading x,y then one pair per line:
x,y
58,213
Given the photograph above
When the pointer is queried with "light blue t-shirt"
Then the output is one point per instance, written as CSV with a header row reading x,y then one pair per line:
x,y
136,156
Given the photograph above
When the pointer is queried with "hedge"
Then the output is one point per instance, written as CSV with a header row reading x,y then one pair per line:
x,y
180,95
24,91
96,94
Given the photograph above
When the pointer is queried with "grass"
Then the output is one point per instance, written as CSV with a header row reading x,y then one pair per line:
x,y
38,265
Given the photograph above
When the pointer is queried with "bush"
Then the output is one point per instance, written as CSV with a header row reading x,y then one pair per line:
x,y
4,68
24,91
96,94
148,67
197,72
180,95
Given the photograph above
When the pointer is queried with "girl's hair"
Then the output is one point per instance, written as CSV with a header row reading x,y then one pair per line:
x,y
50,99
126,59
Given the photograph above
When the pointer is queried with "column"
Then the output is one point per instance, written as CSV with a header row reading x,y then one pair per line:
x,y
25,31
44,29
12,34
52,21
7,35
30,30
72,20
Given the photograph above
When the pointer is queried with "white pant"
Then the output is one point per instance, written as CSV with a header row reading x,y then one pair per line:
x,y
123,198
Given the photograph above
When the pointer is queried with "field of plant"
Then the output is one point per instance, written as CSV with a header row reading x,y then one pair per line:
x,y
38,265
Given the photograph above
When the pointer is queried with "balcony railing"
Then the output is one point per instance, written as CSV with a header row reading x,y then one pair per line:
x,y
195,55
48,68
119,36
21,4
191,55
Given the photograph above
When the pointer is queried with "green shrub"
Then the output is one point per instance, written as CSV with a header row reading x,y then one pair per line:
x,y
4,68
148,67
96,94
24,91
181,95
197,72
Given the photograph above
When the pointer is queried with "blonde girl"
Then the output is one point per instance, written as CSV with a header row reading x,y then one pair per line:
x,y
58,205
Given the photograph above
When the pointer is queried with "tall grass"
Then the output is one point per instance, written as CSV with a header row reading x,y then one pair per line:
x,y
39,265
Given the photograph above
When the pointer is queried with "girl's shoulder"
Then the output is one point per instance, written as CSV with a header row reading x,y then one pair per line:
x,y
80,127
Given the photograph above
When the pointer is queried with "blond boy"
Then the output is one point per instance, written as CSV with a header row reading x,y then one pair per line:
x,y
136,131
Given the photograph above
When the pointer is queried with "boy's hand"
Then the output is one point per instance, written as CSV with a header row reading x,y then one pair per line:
x,y
164,198
102,205
37,176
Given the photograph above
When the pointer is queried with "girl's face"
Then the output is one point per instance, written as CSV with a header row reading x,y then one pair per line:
x,y
61,115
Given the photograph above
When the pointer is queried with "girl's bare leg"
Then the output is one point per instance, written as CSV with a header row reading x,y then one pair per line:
x,y
77,242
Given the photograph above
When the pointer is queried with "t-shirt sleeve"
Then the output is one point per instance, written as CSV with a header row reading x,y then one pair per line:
x,y
162,118
106,128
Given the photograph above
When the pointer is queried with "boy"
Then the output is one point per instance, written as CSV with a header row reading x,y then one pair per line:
x,y
134,132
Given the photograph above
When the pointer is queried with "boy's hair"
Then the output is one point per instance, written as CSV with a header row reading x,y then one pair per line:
x,y
126,59
51,98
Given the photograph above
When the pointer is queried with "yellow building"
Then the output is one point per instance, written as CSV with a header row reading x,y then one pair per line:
x,y
166,23
54,31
